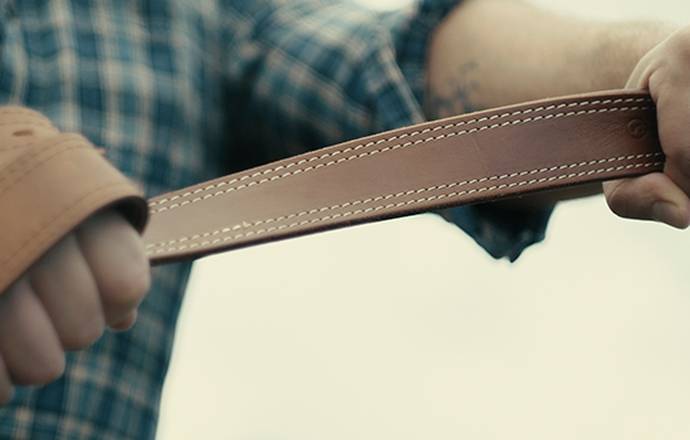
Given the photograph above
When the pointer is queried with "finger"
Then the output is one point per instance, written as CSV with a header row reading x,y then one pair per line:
x,y
650,197
126,323
115,254
64,284
28,342
672,99
6,389
639,78
674,118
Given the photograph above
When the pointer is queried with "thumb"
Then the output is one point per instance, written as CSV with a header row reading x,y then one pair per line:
x,y
650,197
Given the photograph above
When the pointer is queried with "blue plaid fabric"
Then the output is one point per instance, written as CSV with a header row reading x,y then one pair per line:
x,y
182,91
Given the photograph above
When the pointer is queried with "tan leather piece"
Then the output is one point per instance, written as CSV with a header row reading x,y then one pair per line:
x,y
50,182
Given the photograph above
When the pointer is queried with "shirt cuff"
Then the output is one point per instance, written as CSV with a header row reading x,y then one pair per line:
x,y
502,232
412,29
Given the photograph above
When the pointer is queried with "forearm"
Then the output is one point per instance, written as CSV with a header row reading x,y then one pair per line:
x,y
489,53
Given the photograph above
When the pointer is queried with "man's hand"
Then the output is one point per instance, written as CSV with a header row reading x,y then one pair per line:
x,y
92,279
665,72
489,53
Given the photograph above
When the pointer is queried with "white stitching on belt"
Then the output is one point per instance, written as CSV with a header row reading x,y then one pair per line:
x,y
397,146
406,193
231,237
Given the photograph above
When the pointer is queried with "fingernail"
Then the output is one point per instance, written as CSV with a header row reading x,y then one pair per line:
x,y
667,212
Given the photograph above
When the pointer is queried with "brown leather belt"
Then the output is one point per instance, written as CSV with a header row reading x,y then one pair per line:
x,y
51,181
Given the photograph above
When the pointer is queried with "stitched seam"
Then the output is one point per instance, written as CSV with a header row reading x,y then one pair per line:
x,y
524,183
393,147
41,124
24,165
21,172
18,146
504,176
50,141
399,204
245,225
30,118
66,137
23,112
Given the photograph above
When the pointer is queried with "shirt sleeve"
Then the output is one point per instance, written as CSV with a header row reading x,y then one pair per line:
x,y
309,73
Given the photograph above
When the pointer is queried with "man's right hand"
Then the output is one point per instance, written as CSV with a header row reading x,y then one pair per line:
x,y
94,278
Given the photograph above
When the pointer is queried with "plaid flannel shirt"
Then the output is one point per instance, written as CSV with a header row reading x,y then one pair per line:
x,y
182,91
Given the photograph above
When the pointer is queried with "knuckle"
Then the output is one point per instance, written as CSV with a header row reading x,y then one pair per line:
x,y
679,44
52,370
616,199
622,202
83,335
680,159
128,288
620,207
651,188
41,373
675,152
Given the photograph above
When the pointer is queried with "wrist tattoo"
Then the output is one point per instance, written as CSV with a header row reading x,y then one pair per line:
x,y
456,95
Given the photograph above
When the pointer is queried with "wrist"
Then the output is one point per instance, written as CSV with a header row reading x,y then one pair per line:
x,y
617,48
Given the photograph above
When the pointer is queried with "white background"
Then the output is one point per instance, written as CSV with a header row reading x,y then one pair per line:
x,y
406,330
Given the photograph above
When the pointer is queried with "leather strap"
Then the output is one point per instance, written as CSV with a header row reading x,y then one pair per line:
x,y
50,182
